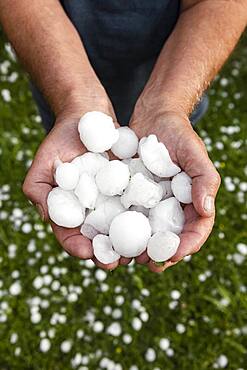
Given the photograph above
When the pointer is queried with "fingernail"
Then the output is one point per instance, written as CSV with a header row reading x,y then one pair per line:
x,y
209,204
41,211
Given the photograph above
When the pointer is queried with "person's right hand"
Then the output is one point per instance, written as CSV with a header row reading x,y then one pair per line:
x,y
62,142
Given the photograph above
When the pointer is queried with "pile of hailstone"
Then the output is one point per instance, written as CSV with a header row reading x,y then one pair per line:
x,y
125,206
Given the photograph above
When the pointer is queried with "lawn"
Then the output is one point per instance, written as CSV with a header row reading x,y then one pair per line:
x,y
59,313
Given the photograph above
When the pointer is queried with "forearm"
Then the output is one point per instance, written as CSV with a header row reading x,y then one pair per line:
x,y
50,49
205,35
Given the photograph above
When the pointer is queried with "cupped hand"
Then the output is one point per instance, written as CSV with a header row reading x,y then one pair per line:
x,y
188,151
62,142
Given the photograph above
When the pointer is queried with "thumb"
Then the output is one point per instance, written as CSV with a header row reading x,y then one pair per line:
x,y
36,190
204,189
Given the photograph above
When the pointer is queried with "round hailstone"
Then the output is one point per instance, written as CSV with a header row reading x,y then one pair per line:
x,y
156,158
67,176
87,191
141,191
136,165
102,216
167,189
129,233
103,251
181,187
162,246
97,131
113,178
168,215
44,345
64,208
127,144
90,163
88,231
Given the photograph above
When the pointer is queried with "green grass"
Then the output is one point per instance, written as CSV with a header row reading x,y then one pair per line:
x,y
213,303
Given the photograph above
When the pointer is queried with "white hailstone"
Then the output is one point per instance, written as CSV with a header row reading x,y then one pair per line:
x,y
170,352
136,165
97,131
168,215
127,338
119,300
13,338
129,233
15,288
66,175
103,251
162,246
127,143
86,190
136,324
26,228
114,329
175,294
136,304
141,191
80,333
90,163
133,367
44,345
35,318
156,158
150,355
144,316
113,178
141,209
66,346
167,189
64,208
242,248
76,360
117,313
180,328
222,361
88,231
102,216
100,275
72,297
164,344
6,95
98,326
181,187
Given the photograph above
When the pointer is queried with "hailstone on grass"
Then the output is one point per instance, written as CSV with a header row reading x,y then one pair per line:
x,y
181,187
127,144
90,162
113,178
129,233
103,250
156,158
168,215
64,208
162,246
66,175
102,216
141,191
97,131
87,191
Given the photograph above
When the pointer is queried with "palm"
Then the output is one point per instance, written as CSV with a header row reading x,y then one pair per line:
x,y
187,150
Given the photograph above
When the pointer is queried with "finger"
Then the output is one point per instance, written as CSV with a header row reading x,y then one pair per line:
x,y
195,233
124,261
37,185
204,190
73,241
159,268
108,266
143,258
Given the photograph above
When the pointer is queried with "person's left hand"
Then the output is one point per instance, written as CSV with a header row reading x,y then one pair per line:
x,y
188,151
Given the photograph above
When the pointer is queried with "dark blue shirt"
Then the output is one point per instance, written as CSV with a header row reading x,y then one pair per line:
x,y
123,39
